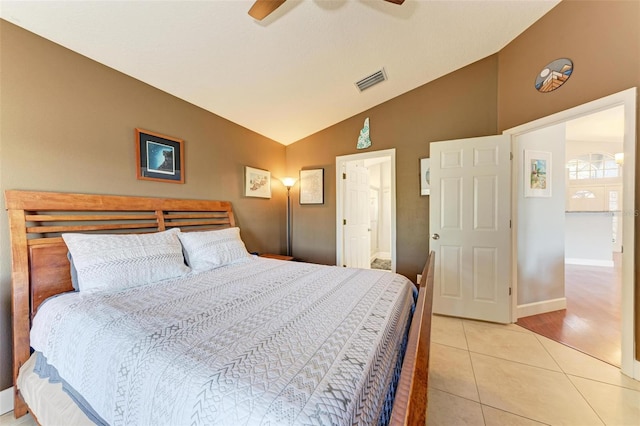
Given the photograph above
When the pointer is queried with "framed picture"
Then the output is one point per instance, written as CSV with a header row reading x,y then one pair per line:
x,y
312,186
257,182
159,157
537,173
425,176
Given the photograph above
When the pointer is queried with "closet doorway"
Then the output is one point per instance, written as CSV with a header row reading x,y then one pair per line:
x,y
365,210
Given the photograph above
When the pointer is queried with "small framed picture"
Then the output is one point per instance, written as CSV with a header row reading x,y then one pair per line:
x,y
312,186
257,182
159,157
537,173
425,176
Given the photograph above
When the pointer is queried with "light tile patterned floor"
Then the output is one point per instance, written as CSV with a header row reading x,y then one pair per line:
x,y
8,420
497,375
489,374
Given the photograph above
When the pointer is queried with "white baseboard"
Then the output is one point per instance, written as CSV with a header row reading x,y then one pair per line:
x,y
6,400
545,306
589,262
380,255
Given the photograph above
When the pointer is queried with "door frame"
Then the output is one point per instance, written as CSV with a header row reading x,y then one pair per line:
x,y
340,163
626,98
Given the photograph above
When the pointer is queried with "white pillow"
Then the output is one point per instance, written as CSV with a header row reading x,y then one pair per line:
x,y
111,262
206,250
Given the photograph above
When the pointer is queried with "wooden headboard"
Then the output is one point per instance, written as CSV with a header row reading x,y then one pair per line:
x,y
39,264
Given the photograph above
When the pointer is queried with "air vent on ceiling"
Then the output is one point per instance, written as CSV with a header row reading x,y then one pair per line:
x,y
373,79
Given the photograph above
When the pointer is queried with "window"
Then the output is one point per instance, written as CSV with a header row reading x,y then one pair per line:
x,y
583,194
593,166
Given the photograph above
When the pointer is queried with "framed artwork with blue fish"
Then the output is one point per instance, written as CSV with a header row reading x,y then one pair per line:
x,y
159,157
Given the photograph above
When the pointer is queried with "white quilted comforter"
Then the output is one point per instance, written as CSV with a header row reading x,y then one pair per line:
x,y
260,342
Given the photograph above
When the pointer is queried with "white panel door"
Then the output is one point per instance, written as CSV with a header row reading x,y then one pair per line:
x,y
357,237
470,211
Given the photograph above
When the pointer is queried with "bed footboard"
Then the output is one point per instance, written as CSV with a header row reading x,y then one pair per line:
x,y
410,404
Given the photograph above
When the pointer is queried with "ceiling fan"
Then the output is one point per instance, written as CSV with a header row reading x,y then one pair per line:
x,y
262,8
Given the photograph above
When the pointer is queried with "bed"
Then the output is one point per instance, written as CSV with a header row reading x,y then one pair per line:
x,y
230,338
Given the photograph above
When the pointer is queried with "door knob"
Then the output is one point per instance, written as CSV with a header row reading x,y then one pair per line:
x,y
435,236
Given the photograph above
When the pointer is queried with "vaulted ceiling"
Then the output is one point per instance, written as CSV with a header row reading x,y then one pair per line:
x,y
293,73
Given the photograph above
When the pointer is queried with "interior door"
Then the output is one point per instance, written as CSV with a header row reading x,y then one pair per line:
x,y
470,212
374,214
357,232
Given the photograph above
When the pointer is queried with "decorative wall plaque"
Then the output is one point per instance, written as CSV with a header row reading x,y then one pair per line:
x,y
554,75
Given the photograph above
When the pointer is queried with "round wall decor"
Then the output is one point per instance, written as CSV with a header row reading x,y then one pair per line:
x,y
554,75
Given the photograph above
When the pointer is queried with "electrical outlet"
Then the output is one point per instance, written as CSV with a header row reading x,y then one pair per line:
x,y
418,279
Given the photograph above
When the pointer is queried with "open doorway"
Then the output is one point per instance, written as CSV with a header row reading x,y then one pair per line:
x,y
627,100
379,212
365,210
593,192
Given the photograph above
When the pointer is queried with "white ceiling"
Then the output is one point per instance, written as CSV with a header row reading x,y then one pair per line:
x,y
602,126
293,73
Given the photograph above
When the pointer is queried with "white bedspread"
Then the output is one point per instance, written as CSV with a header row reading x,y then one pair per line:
x,y
260,342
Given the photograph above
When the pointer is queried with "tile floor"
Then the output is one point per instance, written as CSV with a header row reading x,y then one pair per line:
x,y
489,374
8,420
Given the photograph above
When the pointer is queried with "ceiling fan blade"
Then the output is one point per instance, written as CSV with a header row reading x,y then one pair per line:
x,y
262,8
395,1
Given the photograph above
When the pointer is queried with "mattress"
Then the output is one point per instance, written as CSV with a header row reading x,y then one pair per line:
x,y
258,342
47,401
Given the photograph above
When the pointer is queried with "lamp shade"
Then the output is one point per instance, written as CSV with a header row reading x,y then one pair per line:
x,y
288,181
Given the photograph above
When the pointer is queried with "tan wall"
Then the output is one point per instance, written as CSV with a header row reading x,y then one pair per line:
x,y
459,105
67,124
602,38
